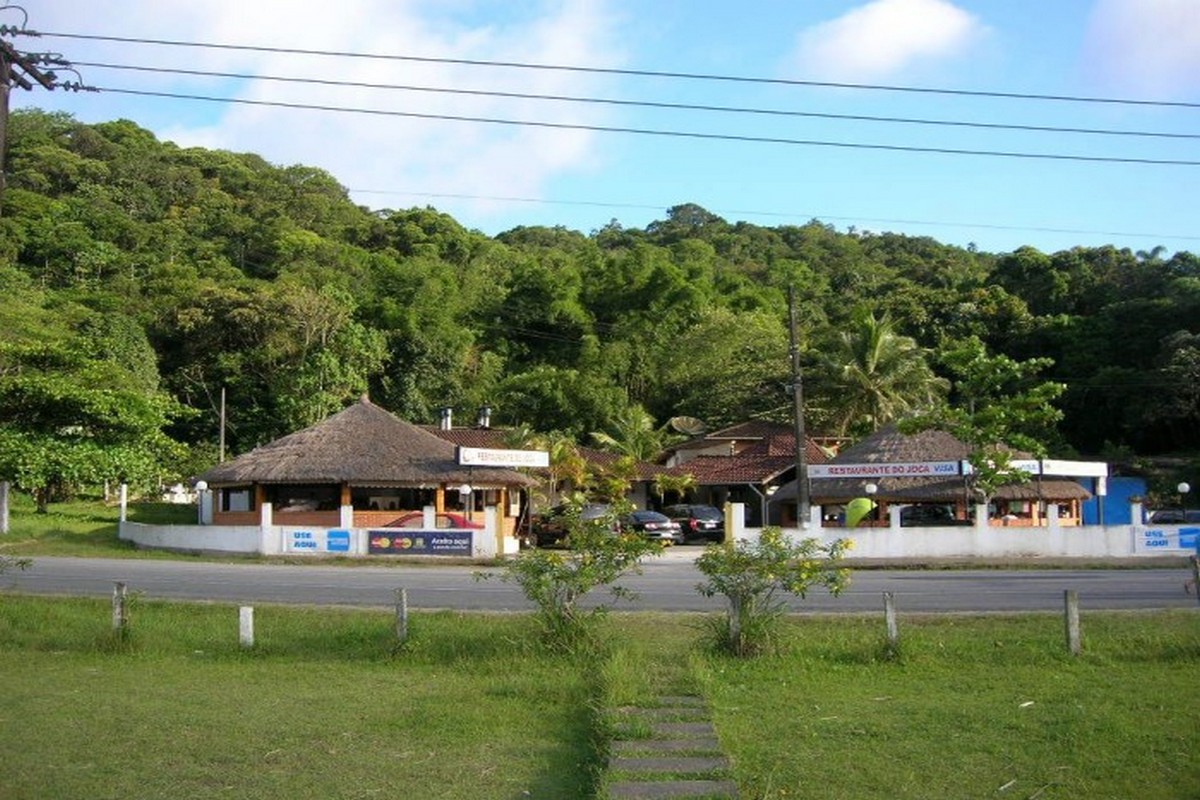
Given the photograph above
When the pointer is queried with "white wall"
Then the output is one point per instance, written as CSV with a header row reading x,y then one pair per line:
x,y
296,540
1091,541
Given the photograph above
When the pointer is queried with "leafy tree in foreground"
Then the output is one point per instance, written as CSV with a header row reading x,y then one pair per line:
x,y
1001,406
751,575
67,419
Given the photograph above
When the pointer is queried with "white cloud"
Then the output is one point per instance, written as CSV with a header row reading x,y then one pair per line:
x,y
886,38
1148,47
367,151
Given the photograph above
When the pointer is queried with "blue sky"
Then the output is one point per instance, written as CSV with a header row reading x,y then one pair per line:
x,y
494,177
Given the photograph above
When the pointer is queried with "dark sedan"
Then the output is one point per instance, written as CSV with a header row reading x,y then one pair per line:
x,y
702,522
653,525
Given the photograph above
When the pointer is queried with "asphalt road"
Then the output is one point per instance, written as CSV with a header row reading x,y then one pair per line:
x,y
667,584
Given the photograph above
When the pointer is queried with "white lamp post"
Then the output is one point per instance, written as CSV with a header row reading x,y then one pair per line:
x,y
1184,487
201,491
871,489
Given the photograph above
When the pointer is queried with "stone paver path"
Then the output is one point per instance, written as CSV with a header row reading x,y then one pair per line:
x,y
681,758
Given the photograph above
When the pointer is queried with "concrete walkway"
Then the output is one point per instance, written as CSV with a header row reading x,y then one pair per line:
x,y
668,751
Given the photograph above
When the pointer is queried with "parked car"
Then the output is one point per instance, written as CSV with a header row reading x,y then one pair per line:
x,y
928,515
550,526
701,522
1175,516
653,525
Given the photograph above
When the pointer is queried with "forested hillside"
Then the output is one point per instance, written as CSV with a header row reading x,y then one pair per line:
x,y
140,279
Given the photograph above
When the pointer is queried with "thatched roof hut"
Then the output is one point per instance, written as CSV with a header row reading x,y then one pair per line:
x,y
363,445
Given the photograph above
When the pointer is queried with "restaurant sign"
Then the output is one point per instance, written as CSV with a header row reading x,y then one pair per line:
x,y
905,469
486,457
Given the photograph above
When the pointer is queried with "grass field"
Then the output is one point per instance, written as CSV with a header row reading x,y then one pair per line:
x,y
85,527
322,707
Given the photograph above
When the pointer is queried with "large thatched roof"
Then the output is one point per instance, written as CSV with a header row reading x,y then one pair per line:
x,y
889,446
361,445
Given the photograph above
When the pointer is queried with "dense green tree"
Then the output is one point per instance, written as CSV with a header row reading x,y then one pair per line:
x,y
70,418
269,282
725,368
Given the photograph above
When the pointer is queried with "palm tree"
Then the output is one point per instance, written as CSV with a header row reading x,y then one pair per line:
x,y
879,376
634,434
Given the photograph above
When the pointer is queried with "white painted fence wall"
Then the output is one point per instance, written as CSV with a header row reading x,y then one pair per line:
x,y
276,540
986,541
894,542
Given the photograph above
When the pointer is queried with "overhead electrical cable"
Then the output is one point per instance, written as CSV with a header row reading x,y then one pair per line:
x,y
776,214
728,137
627,72
643,103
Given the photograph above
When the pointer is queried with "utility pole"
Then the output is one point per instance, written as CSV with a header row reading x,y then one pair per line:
x,y
802,497
18,69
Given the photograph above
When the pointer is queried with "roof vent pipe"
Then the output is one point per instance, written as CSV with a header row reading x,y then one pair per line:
x,y
447,418
485,417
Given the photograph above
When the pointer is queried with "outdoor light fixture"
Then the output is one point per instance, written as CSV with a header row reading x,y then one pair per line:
x,y
201,488
1184,487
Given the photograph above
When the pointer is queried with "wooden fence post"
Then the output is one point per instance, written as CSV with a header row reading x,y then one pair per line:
x,y
401,616
120,614
246,626
893,628
1071,599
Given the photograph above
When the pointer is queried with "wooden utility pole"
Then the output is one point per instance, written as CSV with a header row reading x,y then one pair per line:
x,y
20,70
802,499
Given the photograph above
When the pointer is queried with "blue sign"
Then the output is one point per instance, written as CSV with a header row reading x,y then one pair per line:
x,y
429,543
304,540
1189,538
338,541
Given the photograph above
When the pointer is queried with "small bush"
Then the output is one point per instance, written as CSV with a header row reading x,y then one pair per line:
x,y
751,575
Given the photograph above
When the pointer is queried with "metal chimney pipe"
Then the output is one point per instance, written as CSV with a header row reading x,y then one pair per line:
x,y
447,418
485,417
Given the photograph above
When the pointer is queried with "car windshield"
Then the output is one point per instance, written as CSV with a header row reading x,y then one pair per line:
x,y
593,511
648,516
707,512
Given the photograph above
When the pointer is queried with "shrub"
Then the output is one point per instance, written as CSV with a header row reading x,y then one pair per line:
x,y
594,555
751,575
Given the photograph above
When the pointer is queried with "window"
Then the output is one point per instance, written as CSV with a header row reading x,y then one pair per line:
x,y
401,498
314,497
241,499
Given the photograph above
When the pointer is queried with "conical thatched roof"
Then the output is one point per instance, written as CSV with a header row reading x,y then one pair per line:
x,y
361,445
889,446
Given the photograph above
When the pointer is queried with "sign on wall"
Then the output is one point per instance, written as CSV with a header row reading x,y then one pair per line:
x,y
1165,540
317,541
436,543
484,457
907,469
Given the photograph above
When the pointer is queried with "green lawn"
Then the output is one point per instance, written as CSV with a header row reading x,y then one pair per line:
x,y
322,708
84,527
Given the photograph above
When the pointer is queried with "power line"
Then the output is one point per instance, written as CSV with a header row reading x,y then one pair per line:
x,y
727,137
776,214
630,72
645,103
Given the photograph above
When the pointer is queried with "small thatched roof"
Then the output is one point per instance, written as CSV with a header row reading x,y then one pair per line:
x,y
361,445
889,446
